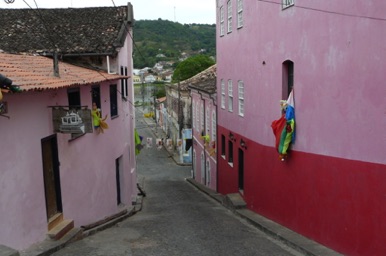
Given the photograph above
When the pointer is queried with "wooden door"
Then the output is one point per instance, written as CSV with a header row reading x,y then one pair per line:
x,y
51,176
241,170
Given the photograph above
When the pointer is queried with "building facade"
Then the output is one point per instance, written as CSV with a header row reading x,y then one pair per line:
x,y
177,120
48,175
331,55
204,127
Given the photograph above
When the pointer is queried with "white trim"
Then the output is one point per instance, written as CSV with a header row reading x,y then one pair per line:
x,y
222,94
287,3
222,21
230,96
229,16
241,97
240,21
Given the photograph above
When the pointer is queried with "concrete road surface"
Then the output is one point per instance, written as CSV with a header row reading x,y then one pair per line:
x,y
176,219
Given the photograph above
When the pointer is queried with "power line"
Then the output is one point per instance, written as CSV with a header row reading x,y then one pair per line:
x,y
43,22
326,11
128,31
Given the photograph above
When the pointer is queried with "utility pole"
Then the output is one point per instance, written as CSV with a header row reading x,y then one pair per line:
x,y
155,106
180,111
142,91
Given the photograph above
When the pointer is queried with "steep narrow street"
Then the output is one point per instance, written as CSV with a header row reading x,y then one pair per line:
x,y
176,218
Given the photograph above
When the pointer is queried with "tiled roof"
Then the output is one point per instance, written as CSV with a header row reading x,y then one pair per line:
x,y
162,99
37,73
72,30
204,81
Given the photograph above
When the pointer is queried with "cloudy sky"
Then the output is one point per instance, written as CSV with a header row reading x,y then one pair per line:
x,y
182,11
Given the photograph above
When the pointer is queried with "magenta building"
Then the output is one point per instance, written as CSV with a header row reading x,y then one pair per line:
x,y
204,126
332,186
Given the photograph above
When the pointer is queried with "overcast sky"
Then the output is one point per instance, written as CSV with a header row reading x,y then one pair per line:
x,y
182,11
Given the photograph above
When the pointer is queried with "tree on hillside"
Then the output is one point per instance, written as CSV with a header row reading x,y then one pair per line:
x,y
172,38
191,66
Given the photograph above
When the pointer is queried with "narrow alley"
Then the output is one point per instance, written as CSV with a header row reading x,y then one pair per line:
x,y
176,218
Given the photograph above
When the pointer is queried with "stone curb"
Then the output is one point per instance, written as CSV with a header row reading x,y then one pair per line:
x,y
48,247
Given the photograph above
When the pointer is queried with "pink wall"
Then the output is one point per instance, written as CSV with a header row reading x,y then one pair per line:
x,y
91,160
198,142
125,58
339,74
87,166
22,209
335,177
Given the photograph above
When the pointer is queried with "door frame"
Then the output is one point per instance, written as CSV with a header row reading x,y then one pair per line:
x,y
54,158
241,169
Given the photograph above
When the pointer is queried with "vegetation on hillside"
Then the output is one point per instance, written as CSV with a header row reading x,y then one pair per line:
x,y
191,66
163,40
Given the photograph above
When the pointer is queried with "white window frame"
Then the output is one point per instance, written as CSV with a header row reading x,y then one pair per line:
x,y
194,114
287,3
240,21
222,94
229,16
241,97
230,96
198,116
207,123
222,21
202,117
214,124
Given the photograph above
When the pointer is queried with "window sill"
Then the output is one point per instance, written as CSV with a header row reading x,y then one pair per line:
x,y
230,164
286,7
114,117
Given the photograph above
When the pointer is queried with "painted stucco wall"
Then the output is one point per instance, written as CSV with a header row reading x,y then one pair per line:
x,y
22,209
206,105
334,201
338,76
125,58
87,166
90,160
333,185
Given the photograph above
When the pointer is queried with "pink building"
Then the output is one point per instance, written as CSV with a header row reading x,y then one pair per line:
x,y
332,53
48,178
204,126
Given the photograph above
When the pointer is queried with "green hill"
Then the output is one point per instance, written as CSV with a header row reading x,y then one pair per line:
x,y
169,40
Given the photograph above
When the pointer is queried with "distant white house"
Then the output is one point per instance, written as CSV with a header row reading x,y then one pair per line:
x,y
150,79
158,66
136,72
168,78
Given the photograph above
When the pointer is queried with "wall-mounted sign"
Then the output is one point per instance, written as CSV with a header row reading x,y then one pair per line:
x,y
67,120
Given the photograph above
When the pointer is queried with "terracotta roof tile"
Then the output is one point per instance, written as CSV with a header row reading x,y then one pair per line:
x,y
205,80
37,73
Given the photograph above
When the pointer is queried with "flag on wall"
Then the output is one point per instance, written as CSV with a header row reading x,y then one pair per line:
x,y
284,128
138,142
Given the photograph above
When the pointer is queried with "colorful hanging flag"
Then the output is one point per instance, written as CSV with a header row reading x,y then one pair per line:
x,y
138,142
284,128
